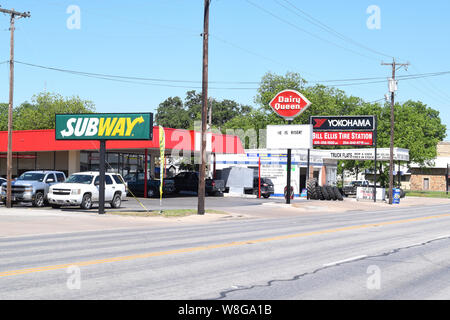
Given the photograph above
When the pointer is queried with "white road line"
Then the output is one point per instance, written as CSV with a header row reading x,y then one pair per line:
x,y
342,261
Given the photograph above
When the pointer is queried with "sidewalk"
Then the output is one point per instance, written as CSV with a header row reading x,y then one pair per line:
x,y
31,221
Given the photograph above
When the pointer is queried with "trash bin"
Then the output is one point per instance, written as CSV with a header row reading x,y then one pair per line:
x,y
396,193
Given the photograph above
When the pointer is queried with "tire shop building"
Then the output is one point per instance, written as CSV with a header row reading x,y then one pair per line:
x,y
272,164
38,150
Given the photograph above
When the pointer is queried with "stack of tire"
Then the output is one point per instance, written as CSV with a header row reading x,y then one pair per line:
x,y
316,192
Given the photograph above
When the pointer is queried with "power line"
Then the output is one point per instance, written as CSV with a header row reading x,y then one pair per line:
x,y
328,29
129,79
307,32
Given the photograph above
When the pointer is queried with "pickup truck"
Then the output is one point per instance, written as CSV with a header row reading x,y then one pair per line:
x,y
33,186
350,189
188,181
136,185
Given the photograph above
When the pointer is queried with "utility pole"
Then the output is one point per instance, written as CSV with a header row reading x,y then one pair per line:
x,y
201,178
392,88
13,15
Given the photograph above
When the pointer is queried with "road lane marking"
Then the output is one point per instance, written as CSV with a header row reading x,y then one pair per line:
x,y
214,246
343,261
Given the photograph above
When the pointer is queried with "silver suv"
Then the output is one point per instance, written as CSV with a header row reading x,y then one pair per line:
x,y
33,186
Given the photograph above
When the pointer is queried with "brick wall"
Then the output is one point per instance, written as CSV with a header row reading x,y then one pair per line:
x,y
436,179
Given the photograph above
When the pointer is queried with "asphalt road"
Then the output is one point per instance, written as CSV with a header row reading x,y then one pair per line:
x,y
387,254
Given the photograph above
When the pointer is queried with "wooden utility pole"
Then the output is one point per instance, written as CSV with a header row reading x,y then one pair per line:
x,y
201,178
392,89
13,15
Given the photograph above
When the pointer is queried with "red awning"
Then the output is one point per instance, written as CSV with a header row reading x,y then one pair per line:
x,y
176,139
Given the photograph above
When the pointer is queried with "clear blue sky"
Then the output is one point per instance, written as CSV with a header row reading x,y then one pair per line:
x,y
161,39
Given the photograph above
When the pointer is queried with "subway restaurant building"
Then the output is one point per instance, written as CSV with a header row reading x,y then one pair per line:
x,y
39,150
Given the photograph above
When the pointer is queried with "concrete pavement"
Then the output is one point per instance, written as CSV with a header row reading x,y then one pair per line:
x,y
307,256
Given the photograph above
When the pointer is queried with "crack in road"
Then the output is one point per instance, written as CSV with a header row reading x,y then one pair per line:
x,y
223,294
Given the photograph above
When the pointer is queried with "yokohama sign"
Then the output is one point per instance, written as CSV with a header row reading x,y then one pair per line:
x,y
333,123
343,138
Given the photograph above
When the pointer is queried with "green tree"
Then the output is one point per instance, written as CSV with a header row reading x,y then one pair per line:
x,y
417,126
172,114
40,113
175,113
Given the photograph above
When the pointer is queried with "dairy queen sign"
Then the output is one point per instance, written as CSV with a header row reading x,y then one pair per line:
x,y
289,104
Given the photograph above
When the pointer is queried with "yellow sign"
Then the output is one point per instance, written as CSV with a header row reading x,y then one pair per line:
x,y
162,147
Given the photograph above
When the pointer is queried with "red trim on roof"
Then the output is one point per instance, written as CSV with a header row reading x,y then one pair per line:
x,y
176,139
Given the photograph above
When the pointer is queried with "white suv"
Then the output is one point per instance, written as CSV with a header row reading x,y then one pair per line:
x,y
82,189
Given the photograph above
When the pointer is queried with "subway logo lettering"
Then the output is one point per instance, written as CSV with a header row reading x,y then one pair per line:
x,y
96,126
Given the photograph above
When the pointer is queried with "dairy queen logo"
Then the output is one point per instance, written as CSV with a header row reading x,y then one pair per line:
x,y
289,104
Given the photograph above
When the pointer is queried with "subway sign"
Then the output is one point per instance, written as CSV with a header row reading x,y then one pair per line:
x,y
343,123
104,126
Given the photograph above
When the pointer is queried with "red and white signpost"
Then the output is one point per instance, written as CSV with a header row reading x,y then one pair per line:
x,y
289,104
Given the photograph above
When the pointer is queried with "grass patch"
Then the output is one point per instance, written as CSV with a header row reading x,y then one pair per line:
x,y
165,213
429,194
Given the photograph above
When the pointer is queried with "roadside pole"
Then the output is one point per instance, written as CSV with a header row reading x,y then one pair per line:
x,y
145,172
101,189
307,171
375,164
392,89
259,177
288,184
201,182
9,159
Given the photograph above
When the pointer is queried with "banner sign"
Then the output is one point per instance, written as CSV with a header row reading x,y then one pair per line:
x,y
104,126
289,136
343,138
366,154
343,123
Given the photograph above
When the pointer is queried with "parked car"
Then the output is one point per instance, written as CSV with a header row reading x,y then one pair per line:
x,y
33,186
267,187
188,181
136,183
350,189
82,189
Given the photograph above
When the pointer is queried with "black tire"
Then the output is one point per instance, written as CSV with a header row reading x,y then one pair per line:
x,y
310,188
56,206
338,194
116,201
39,200
266,196
330,191
325,193
319,193
86,203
